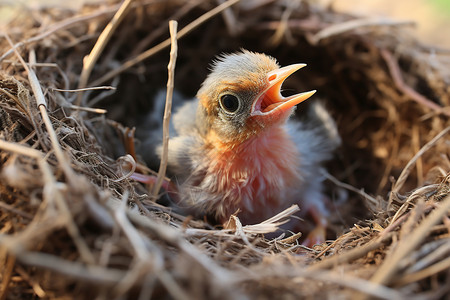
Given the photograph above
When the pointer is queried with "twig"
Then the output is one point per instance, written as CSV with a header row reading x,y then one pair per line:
x,y
407,170
238,231
396,74
439,266
162,28
100,111
102,41
168,109
12,209
290,239
390,265
172,286
152,51
433,252
144,262
418,193
348,187
129,230
352,254
6,276
92,274
37,65
267,226
33,282
415,141
283,27
42,105
230,20
221,276
354,283
85,89
333,244
131,162
393,225
340,28
29,152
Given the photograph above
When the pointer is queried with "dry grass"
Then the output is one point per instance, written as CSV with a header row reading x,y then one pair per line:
x,y
74,226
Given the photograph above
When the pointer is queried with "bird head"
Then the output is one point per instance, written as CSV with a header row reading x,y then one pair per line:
x,y
241,97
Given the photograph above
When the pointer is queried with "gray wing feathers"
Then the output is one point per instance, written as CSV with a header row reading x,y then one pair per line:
x,y
150,132
183,138
316,137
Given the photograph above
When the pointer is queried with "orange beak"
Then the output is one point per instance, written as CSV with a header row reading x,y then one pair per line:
x,y
271,102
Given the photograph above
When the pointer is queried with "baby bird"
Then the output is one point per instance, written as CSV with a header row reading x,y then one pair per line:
x,y
235,148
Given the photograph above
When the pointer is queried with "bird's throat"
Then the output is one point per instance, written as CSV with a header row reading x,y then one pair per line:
x,y
270,146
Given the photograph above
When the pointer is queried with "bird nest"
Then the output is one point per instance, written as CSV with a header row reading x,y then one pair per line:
x,y
73,225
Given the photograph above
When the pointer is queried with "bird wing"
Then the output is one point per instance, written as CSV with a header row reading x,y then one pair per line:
x,y
150,131
184,118
316,137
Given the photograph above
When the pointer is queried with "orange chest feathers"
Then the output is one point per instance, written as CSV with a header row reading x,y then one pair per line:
x,y
255,174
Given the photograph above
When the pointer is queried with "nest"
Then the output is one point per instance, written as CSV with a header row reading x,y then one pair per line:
x,y
73,225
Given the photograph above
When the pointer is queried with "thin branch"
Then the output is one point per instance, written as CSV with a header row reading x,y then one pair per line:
x,y
29,152
231,21
85,89
130,231
396,74
102,41
14,210
100,111
92,274
7,275
351,25
439,266
168,109
348,187
407,170
33,282
42,105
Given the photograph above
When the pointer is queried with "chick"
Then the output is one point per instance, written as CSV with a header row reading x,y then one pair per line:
x,y
235,147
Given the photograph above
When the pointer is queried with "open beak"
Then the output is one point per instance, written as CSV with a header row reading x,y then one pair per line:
x,y
271,100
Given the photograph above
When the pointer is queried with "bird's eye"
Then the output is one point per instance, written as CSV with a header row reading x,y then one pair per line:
x,y
230,103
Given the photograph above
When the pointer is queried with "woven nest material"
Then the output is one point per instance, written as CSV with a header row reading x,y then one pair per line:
x,y
73,225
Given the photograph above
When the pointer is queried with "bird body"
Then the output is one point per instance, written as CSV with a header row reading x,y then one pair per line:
x,y
251,176
235,148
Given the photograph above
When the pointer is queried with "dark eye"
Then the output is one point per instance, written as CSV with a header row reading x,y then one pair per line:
x,y
229,103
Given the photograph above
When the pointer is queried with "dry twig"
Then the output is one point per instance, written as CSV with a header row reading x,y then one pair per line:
x,y
168,108
400,84
102,41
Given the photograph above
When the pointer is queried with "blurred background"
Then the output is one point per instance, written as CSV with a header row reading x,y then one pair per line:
x,y
432,16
